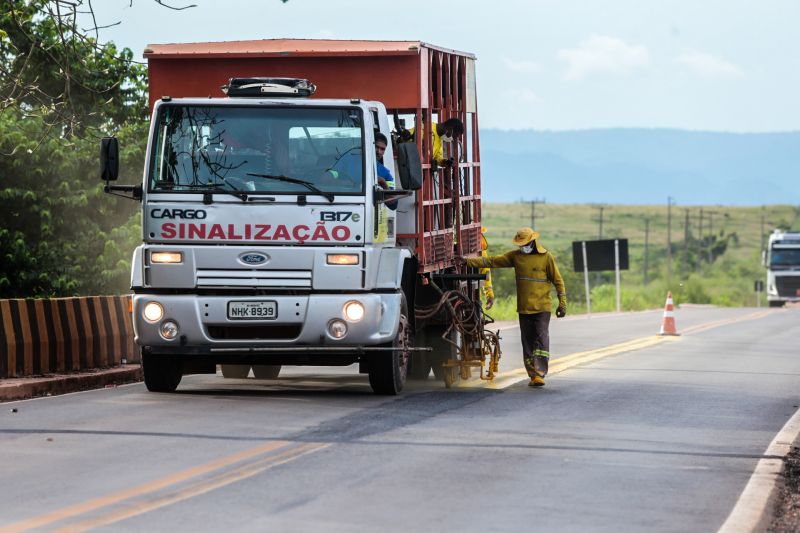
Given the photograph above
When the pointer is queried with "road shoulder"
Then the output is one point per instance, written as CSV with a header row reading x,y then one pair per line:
x,y
13,389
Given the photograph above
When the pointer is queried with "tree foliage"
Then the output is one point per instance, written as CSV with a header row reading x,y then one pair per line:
x,y
60,91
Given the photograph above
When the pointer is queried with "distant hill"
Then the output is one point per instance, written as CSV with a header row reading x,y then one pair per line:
x,y
641,166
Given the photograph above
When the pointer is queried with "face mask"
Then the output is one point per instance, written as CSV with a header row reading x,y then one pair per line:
x,y
447,139
528,248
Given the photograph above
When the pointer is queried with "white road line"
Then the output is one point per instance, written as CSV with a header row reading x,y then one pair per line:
x,y
751,508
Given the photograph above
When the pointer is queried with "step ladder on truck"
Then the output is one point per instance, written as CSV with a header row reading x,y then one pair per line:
x,y
267,239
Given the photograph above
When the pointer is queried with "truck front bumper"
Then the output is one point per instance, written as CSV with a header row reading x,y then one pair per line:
x,y
203,324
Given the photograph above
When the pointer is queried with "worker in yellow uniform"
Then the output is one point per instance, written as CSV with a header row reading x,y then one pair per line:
x,y
535,269
448,131
488,291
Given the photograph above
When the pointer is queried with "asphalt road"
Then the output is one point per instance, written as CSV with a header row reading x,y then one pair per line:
x,y
661,438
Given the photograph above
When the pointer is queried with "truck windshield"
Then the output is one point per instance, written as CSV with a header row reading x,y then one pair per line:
x,y
785,257
240,148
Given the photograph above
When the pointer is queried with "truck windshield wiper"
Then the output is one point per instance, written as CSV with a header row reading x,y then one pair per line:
x,y
307,184
215,188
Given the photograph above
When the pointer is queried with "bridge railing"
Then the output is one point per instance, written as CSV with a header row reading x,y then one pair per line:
x,y
64,334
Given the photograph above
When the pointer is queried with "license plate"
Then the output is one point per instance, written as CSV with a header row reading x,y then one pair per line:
x,y
252,310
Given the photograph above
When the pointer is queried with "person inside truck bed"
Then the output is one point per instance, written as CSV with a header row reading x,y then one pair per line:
x,y
385,178
446,132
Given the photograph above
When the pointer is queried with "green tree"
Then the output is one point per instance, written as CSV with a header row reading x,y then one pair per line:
x,y
61,91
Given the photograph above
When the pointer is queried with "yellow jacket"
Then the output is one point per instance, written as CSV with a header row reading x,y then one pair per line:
x,y
488,291
437,152
535,272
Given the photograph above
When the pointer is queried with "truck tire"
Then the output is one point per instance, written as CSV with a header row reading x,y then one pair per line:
x,y
776,303
235,371
388,370
161,373
266,371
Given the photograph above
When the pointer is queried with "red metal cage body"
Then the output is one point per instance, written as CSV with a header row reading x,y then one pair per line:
x,y
408,77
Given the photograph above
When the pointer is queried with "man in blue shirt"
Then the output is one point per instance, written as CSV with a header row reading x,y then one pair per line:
x,y
385,178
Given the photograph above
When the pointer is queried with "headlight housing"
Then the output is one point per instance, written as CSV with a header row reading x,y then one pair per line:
x,y
342,259
169,329
337,328
166,257
153,311
353,311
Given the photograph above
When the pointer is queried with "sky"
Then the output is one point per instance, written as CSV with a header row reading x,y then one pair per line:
x,y
713,65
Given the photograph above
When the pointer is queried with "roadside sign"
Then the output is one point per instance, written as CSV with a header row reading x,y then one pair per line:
x,y
606,254
599,255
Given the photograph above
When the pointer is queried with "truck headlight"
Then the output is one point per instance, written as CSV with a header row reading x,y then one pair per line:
x,y
337,328
342,259
153,311
169,329
166,257
353,311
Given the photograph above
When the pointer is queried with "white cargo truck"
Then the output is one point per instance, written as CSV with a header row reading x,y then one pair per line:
x,y
268,238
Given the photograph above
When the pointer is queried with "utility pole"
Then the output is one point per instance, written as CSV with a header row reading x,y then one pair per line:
x,y
700,239
762,227
711,235
711,221
533,211
700,231
646,247
685,263
599,219
669,240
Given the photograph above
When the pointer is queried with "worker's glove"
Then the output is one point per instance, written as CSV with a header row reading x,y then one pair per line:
x,y
561,312
489,302
447,163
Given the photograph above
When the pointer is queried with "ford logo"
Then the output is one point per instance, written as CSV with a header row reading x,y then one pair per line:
x,y
253,258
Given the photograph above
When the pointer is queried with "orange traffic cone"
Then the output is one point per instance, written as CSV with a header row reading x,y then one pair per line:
x,y
668,323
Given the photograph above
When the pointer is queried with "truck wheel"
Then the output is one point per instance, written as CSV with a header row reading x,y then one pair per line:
x,y
776,303
266,371
388,370
161,373
235,371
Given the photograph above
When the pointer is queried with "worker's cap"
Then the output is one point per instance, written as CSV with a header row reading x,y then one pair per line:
x,y
524,236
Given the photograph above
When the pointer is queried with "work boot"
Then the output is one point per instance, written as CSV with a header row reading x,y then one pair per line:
x,y
537,381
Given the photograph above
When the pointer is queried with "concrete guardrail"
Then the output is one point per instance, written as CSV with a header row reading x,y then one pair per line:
x,y
65,334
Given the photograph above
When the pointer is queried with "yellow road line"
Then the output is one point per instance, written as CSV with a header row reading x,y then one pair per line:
x,y
725,322
504,380
201,487
142,490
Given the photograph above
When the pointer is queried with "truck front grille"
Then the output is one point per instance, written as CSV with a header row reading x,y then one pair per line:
x,y
787,285
243,332
278,279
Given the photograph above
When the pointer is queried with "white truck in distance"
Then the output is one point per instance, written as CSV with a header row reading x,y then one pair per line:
x,y
782,260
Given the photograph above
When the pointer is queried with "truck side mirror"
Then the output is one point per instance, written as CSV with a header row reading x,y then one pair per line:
x,y
381,195
409,166
109,159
